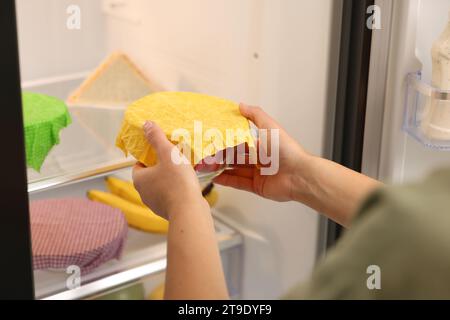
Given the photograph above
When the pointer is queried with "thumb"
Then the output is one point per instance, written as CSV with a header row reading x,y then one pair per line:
x,y
157,139
257,115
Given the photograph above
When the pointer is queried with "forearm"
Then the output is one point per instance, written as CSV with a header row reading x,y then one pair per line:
x,y
332,189
194,269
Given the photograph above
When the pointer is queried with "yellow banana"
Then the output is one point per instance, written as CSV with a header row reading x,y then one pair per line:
x,y
212,197
137,216
157,293
124,189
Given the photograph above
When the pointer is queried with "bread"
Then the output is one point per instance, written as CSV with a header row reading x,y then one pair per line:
x,y
117,82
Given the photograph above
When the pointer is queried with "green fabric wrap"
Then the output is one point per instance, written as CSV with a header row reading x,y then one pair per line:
x,y
44,118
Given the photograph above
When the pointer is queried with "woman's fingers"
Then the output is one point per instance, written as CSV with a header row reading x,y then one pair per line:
x,y
245,172
236,182
257,115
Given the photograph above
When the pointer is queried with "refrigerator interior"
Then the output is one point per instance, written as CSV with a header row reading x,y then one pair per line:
x,y
276,54
414,27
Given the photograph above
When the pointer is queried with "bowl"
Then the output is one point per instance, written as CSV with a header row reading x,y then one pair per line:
x,y
207,173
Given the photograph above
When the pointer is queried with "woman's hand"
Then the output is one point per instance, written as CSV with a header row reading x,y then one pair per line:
x,y
321,184
168,186
194,269
292,158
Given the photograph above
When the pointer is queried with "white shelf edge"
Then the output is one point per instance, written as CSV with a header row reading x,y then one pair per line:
x,y
27,85
58,181
111,281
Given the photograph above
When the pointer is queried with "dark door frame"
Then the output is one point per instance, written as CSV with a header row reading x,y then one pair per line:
x,y
351,100
16,272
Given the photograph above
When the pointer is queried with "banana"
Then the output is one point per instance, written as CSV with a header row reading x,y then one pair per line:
x,y
212,197
137,216
124,189
157,293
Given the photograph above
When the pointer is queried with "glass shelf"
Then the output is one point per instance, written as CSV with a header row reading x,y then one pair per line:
x,y
144,256
427,113
87,147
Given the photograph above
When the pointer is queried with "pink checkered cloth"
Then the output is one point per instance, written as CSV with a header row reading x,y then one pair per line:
x,y
77,232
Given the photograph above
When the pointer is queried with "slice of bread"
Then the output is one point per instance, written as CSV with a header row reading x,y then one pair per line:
x,y
117,82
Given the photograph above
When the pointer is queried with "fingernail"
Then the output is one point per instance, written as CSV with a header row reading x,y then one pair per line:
x,y
148,125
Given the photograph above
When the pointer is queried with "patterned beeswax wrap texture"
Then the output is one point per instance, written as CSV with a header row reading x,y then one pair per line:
x,y
44,117
181,110
76,232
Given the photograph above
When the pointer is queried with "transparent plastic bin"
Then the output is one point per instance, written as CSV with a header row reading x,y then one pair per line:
x,y
427,113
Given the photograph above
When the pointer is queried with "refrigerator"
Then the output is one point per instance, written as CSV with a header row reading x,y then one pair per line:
x,y
400,90
339,87
386,92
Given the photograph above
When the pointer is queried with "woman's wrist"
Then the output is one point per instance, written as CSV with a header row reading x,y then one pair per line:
x,y
186,205
302,177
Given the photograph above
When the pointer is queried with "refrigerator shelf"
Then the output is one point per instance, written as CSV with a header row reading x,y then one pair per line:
x,y
144,256
427,113
86,150
67,178
87,147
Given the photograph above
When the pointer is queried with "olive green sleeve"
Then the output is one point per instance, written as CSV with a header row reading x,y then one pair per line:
x,y
403,231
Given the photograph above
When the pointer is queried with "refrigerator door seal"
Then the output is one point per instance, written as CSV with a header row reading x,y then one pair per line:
x,y
354,61
376,95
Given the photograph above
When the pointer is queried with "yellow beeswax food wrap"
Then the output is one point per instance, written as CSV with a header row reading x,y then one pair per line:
x,y
173,111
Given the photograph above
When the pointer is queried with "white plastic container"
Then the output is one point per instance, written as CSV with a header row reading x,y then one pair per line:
x,y
436,120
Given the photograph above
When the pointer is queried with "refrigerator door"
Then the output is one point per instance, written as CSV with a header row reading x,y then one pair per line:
x,y
403,46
